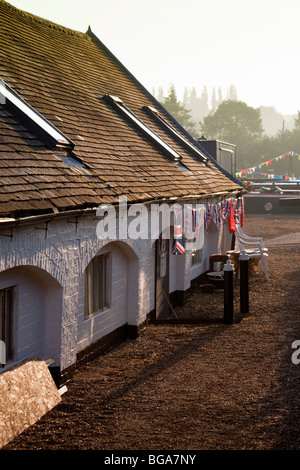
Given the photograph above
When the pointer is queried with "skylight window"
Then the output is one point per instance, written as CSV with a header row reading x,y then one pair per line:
x,y
183,168
34,119
134,119
178,137
70,160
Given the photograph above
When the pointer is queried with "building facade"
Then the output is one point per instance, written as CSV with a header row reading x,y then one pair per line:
x,y
79,134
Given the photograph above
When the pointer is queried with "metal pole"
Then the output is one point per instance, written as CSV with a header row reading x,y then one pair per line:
x,y
228,293
244,282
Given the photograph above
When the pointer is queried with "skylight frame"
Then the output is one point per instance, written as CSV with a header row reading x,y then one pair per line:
x,y
151,110
118,103
32,115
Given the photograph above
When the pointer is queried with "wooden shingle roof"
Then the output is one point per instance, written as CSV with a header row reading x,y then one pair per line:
x,y
65,75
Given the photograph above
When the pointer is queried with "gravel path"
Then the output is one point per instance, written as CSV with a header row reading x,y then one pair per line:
x,y
196,386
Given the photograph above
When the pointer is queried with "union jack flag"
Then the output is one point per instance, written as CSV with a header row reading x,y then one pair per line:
x,y
207,217
188,222
236,211
225,210
218,213
177,245
197,214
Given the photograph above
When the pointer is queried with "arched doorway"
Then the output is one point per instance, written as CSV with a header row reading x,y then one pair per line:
x,y
31,312
110,286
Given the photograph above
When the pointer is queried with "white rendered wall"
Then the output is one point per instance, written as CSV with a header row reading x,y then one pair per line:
x,y
64,254
51,302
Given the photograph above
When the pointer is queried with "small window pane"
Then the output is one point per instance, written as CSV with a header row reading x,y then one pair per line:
x,y
97,281
6,314
104,281
97,284
196,257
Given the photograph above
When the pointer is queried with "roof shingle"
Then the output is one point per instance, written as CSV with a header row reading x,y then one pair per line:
x,y
64,75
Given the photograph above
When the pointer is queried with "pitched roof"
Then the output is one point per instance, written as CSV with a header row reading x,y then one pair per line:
x,y
66,76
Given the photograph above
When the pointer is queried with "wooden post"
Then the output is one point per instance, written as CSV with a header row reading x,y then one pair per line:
x,y
228,293
244,282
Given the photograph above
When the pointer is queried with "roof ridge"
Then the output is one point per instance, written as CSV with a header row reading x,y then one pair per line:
x,y
50,24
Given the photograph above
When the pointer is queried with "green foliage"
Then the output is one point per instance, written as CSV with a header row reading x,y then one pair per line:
x,y
233,121
178,110
297,121
239,124
236,123
268,148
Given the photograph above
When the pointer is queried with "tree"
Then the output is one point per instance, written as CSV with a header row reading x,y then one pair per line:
x,y
160,95
232,93
214,103
204,103
185,99
193,100
178,110
233,119
220,95
297,121
236,123
272,120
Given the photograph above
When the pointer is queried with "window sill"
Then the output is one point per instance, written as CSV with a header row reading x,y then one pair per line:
x,y
94,314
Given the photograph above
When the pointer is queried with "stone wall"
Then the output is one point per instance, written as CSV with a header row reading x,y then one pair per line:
x,y
27,393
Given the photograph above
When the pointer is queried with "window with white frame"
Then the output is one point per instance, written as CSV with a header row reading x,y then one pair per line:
x,y
98,284
10,97
6,321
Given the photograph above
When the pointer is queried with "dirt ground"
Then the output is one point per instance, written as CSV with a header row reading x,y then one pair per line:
x,y
206,386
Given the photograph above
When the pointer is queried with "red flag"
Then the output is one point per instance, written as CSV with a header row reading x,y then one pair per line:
x,y
231,221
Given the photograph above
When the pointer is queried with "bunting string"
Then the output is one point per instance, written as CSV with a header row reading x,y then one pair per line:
x,y
228,210
253,170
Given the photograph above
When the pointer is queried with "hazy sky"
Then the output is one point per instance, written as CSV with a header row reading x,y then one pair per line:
x,y
253,45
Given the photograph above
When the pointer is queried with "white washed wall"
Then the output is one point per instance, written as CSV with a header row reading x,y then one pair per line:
x,y
64,254
51,298
92,328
